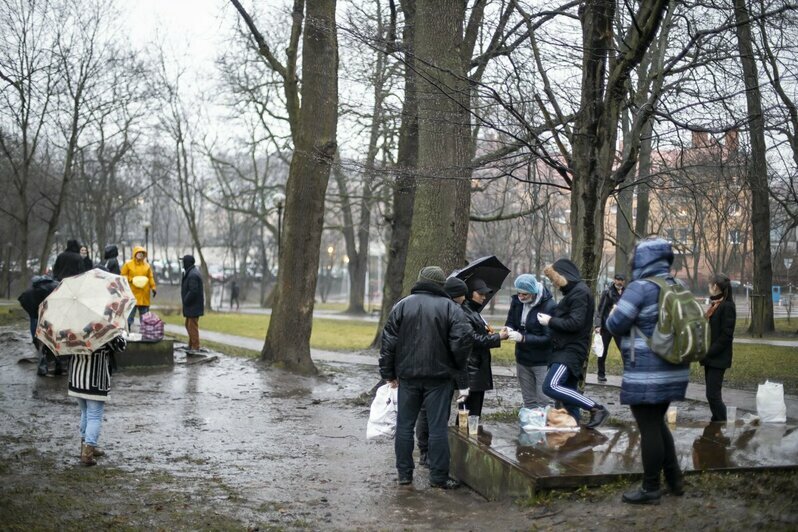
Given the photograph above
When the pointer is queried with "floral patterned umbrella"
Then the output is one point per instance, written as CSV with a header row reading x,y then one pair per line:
x,y
85,312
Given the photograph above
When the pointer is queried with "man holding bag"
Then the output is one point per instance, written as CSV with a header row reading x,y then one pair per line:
x,y
425,343
609,298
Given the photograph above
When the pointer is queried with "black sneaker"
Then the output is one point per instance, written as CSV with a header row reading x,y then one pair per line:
x,y
405,480
602,379
448,484
423,460
641,496
598,416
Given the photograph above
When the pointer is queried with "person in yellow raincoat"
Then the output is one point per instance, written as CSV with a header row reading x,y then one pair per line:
x,y
139,275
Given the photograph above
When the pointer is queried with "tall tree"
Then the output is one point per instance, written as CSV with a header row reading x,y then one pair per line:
x,y
757,177
313,128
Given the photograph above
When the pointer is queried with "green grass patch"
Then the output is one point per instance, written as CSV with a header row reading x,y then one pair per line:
x,y
328,334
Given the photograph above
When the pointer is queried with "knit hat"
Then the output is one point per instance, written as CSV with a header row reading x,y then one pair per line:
x,y
432,274
455,287
526,282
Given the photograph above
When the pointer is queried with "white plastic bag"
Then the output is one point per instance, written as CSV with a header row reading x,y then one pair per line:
x,y
532,419
384,408
770,403
598,345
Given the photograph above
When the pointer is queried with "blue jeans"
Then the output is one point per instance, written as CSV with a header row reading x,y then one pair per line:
x,y
142,311
560,385
436,397
91,419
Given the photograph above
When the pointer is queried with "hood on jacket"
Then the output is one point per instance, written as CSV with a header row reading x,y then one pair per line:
x,y
651,257
188,261
137,249
562,272
73,245
42,280
110,252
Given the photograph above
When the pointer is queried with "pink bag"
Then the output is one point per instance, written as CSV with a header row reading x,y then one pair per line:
x,y
151,327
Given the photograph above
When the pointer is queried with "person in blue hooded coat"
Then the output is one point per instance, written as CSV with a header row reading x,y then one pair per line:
x,y
532,340
649,383
571,326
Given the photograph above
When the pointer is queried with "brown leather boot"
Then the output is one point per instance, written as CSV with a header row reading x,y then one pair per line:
x,y
97,451
87,455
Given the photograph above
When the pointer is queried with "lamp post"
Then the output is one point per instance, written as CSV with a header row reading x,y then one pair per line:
x,y
146,226
787,264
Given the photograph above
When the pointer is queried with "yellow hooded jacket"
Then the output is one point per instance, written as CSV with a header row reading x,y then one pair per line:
x,y
139,268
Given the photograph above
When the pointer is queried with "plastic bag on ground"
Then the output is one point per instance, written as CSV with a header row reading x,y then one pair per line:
x,y
384,409
770,404
532,418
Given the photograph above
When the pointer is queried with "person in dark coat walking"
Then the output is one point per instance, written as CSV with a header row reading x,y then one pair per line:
x,y
532,340
110,260
571,326
609,298
41,287
722,316
649,382
425,345
69,262
193,296
480,376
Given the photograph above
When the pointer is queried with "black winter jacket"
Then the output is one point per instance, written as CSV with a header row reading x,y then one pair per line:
x,y
609,298
192,293
535,349
427,336
110,261
69,262
721,335
480,377
31,298
572,321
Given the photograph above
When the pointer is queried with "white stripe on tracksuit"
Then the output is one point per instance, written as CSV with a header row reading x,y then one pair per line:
x,y
575,396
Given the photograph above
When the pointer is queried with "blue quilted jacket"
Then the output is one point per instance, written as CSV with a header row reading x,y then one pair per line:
x,y
649,379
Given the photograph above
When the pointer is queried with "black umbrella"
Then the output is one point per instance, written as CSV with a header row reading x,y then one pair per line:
x,y
489,269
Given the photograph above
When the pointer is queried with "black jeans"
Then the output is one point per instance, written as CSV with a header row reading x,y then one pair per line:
x,y
656,445
474,403
422,430
435,395
714,384
602,361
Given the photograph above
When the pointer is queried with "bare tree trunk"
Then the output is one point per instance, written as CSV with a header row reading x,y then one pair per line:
x,y
288,338
404,191
441,212
762,302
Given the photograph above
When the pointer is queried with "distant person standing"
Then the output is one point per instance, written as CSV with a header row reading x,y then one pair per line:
x,y
87,263
110,259
193,297
142,283
69,262
234,292
30,299
609,298
425,343
722,316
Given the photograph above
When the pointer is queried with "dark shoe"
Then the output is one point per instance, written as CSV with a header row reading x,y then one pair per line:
x,y
448,484
423,460
598,416
641,496
602,379
41,372
676,488
405,480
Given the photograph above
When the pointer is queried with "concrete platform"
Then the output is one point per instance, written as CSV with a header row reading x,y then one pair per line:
x,y
147,354
505,462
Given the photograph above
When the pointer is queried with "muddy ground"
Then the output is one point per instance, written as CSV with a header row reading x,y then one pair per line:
x,y
234,445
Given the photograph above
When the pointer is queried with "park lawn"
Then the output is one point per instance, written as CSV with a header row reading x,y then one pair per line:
x,y
331,335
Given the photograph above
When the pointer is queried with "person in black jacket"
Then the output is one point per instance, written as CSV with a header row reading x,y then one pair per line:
x,y
69,262
722,316
571,326
87,263
480,376
425,344
110,260
193,297
29,300
609,298
533,340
